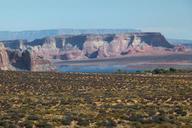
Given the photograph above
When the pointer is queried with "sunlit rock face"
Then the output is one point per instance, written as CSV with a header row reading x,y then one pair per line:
x,y
4,60
134,43
92,45
118,45
72,55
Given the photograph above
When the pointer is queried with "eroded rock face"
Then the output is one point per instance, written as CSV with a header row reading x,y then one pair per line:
x,y
16,60
92,45
4,60
72,55
35,62
28,60
135,43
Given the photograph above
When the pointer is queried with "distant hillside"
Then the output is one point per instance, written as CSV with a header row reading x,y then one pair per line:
x,y
32,35
180,41
186,43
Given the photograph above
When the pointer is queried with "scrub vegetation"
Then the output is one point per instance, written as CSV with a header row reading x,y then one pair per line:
x,y
59,100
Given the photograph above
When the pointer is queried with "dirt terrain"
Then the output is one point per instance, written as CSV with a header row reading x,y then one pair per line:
x,y
45,100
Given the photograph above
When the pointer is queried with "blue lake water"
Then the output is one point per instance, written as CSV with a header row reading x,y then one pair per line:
x,y
95,69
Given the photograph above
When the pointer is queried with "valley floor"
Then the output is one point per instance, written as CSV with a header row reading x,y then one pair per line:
x,y
41,99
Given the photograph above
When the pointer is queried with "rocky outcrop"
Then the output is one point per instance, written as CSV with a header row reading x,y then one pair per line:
x,y
4,60
17,61
29,60
37,62
92,45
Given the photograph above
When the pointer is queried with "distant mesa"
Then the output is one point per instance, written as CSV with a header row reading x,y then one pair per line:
x,y
32,35
37,55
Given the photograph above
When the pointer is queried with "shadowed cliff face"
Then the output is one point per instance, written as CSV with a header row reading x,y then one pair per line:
x,y
20,59
155,40
28,60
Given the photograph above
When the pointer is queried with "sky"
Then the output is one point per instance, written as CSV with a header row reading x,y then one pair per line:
x,y
173,18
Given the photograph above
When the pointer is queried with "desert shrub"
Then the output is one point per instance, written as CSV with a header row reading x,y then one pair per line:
x,y
44,125
156,71
83,122
107,123
16,115
147,71
67,119
159,71
27,124
179,111
159,118
120,71
138,71
33,117
7,124
136,117
172,70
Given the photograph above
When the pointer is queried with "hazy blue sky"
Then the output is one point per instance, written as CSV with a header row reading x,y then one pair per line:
x,y
171,17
